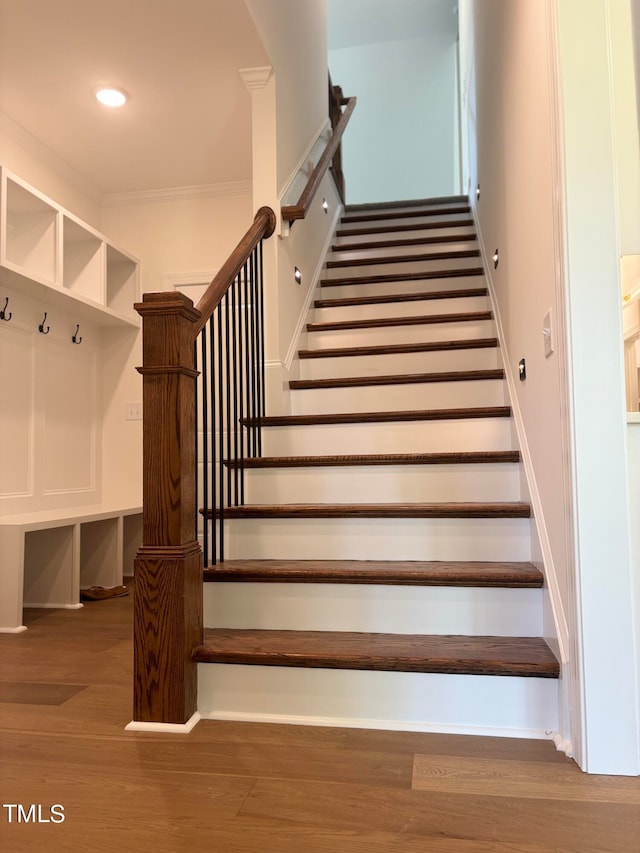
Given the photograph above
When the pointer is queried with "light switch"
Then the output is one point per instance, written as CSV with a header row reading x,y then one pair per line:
x,y
134,411
547,333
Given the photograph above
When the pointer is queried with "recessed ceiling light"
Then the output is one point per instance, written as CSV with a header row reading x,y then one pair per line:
x,y
111,97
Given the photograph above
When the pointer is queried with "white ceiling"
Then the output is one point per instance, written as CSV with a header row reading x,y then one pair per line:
x,y
356,22
188,120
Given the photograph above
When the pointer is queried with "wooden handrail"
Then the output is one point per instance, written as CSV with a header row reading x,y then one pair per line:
x,y
293,212
264,224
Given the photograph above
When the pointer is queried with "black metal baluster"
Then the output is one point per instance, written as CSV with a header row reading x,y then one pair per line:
x,y
196,482
249,356
254,366
220,437
205,449
241,365
234,382
211,391
261,401
228,389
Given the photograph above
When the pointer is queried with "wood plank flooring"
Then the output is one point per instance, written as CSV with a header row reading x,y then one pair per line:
x,y
233,787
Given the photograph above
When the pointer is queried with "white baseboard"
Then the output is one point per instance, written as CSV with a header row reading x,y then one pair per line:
x,y
169,728
384,725
559,616
17,630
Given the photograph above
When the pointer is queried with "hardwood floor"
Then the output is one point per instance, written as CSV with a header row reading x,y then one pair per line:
x,y
65,697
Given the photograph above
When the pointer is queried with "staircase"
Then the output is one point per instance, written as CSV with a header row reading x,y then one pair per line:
x,y
379,570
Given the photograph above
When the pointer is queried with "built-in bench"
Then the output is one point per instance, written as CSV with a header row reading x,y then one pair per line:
x,y
48,557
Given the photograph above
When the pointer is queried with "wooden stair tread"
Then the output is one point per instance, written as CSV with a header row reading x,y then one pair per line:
x,y
388,322
402,242
402,276
394,349
430,225
378,216
396,379
375,260
392,573
391,298
437,201
472,457
515,656
382,417
476,509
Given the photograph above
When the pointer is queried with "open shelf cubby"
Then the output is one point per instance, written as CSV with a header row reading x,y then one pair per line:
x,y
121,281
31,233
48,253
83,261
48,568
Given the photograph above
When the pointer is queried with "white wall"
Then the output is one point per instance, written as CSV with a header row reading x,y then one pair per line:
x,y
401,141
540,116
170,237
509,117
294,36
38,165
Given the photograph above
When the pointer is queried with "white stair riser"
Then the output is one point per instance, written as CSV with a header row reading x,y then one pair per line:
x,y
394,267
481,358
427,285
378,609
462,704
384,484
440,214
460,245
377,539
399,309
464,232
429,395
418,333
397,437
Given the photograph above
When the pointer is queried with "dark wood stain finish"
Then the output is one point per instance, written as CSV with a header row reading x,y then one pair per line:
x,y
437,201
454,254
478,509
389,322
400,228
520,656
392,244
384,417
406,214
450,458
399,379
391,349
393,298
379,572
429,275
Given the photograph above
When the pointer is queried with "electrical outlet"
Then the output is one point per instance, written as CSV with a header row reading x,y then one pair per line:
x,y
134,411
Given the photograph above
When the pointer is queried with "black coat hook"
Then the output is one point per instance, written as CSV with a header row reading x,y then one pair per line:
x,y
4,314
76,339
41,327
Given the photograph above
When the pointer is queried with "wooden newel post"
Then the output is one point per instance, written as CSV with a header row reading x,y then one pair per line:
x,y
168,567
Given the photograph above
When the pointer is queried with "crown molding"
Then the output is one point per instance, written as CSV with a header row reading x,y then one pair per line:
x,y
256,78
169,194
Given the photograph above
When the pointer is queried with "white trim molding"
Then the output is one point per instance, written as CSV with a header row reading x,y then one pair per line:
x,y
256,78
170,194
169,728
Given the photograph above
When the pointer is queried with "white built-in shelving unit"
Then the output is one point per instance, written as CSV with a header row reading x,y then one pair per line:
x,y
47,252
66,295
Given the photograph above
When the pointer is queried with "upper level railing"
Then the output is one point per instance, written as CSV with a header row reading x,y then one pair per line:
x,y
332,154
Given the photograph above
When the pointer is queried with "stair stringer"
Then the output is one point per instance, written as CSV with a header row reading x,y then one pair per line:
x,y
541,551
